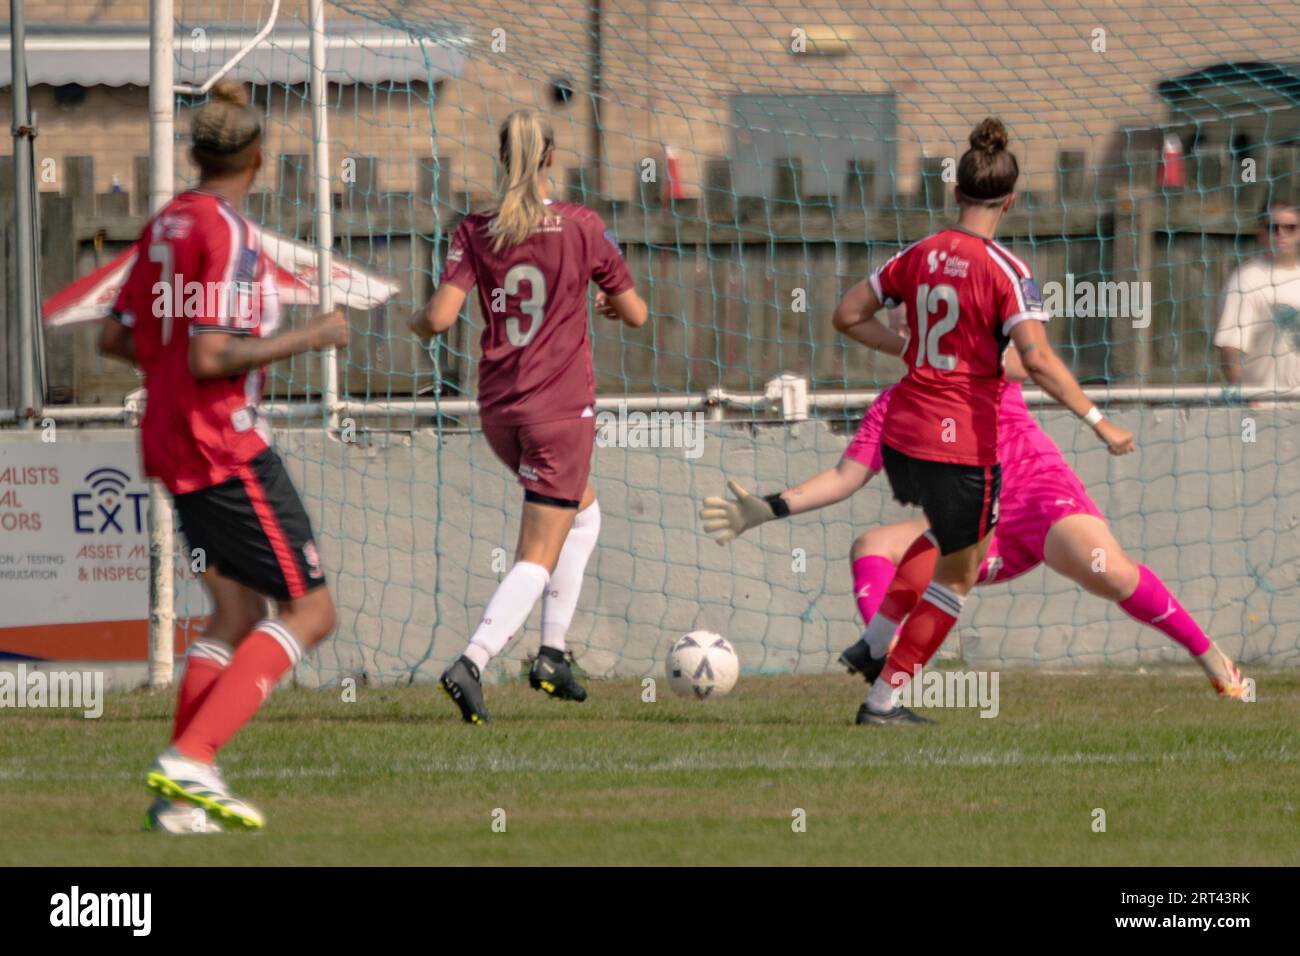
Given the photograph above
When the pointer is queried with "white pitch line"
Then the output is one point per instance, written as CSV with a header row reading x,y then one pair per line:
x,y
705,763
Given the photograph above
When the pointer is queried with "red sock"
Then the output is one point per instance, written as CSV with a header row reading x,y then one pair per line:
x,y
911,579
923,633
204,663
257,666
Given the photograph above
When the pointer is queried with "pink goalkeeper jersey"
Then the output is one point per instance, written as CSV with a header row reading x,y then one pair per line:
x,y
1022,445
1038,487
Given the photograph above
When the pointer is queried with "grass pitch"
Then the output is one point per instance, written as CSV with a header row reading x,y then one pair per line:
x,y
394,778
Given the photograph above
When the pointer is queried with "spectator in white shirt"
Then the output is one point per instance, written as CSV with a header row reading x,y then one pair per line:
x,y
1258,336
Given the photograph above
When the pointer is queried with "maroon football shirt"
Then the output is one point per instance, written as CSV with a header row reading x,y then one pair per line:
x,y
536,364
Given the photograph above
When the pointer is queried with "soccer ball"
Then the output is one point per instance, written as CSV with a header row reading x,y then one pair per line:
x,y
702,664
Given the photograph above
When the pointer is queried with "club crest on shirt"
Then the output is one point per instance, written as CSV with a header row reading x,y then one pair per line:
x,y
174,226
313,559
242,419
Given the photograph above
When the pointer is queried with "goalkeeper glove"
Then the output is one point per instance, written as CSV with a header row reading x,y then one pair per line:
x,y
726,520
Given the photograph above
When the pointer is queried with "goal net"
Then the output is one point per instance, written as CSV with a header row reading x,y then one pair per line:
x,y
754,161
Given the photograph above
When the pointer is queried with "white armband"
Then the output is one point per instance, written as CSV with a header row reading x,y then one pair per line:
x,y
1094,416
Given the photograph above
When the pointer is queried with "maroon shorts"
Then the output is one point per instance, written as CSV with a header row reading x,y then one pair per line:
x,y
552,459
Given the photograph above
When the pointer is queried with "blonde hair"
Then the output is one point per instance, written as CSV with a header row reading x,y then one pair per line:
x,y
525,139
225,131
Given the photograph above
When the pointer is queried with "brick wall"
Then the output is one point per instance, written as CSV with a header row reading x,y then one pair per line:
x,y
669,68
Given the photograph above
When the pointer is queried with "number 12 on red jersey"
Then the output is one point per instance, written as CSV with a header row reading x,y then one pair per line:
x,y
928,300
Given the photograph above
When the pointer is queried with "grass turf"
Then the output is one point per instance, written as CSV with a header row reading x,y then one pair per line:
x,y
394,778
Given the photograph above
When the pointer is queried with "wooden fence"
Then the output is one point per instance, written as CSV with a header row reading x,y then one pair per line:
x,y
741,289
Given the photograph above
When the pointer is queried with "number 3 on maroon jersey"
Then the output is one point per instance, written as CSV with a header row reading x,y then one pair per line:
x,y
534,306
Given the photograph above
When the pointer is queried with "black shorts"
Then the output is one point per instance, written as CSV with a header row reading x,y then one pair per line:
x,y
253,529
959,501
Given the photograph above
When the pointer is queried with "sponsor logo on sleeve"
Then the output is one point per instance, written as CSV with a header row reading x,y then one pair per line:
x,y
1033,297
246,268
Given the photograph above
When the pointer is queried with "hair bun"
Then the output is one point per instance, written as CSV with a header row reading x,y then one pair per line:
x,y
229,91
990,136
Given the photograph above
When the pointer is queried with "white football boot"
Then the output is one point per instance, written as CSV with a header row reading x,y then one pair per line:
x,y
176,777
178,817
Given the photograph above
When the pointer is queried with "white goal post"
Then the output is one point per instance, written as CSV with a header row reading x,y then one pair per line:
x,y
162,171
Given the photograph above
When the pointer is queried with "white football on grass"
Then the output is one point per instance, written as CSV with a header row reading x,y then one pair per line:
x,y
702,665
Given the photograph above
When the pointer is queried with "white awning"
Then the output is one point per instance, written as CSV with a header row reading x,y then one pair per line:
x,y
116,55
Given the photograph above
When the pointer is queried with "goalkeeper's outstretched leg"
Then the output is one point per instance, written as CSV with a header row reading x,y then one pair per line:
x,y
1078,546
1082,548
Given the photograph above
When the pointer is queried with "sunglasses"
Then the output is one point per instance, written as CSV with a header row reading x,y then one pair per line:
x,y
1283,227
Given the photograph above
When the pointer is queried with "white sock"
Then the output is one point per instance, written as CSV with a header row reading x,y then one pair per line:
x,y
882,698
219,652
560,599
880,631
478,655
287,640
510,606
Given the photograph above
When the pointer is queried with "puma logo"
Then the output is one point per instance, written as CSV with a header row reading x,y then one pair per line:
x,y
1168,611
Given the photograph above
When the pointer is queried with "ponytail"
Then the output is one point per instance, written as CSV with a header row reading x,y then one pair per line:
x,y
525,141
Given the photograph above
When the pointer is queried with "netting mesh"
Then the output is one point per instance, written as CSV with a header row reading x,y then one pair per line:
x,y
754,161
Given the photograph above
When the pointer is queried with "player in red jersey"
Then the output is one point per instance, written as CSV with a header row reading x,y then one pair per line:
x,y
965,296
1047,517
197,315
532,260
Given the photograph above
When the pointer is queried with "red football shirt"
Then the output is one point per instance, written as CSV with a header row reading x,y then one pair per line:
x,y
536,364
199,269
963,295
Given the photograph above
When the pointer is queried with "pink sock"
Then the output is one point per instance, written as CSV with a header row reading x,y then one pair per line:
x,y
871,577
1152,604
